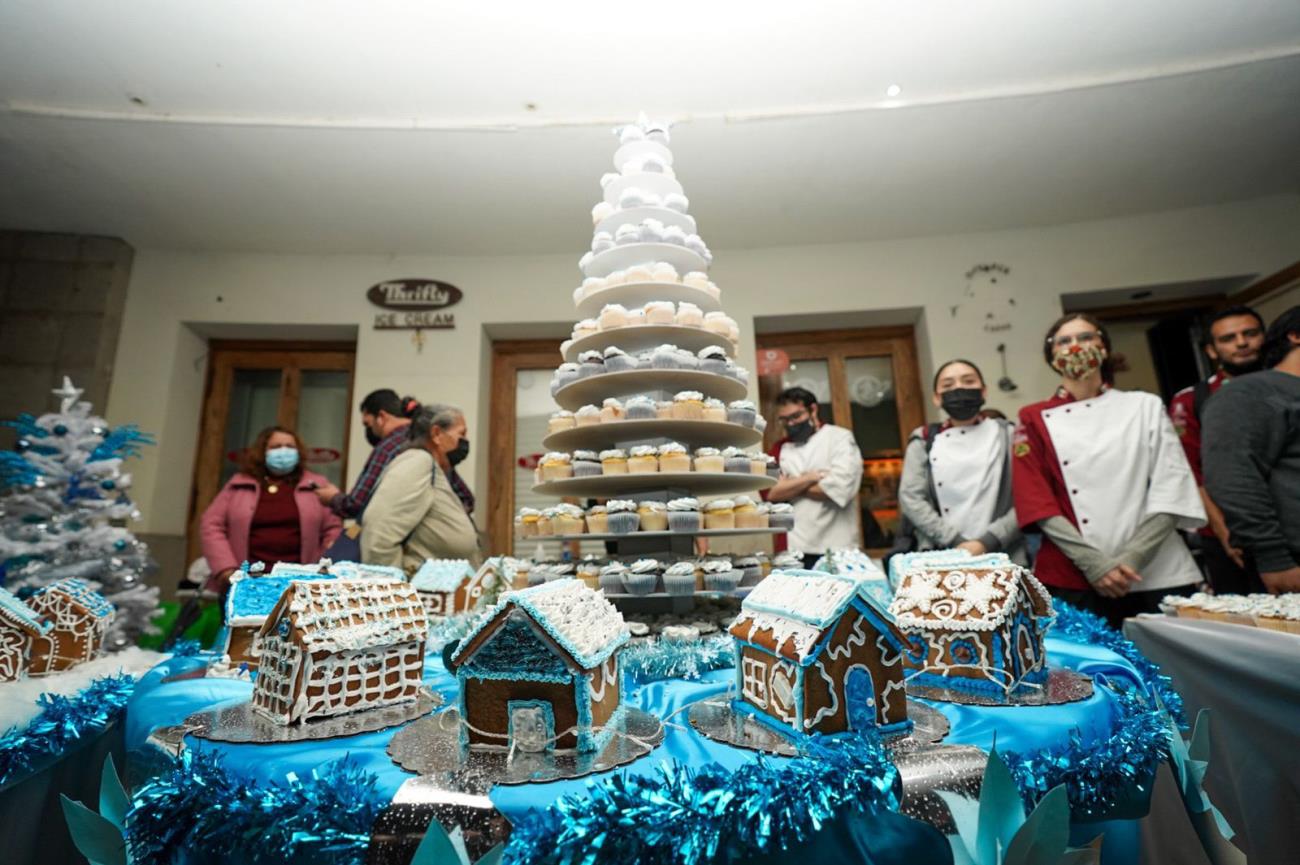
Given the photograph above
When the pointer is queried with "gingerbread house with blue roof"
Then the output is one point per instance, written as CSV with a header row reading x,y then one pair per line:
x,y
974,624
250,600
19,628
815,653
79,617
451,586
540,671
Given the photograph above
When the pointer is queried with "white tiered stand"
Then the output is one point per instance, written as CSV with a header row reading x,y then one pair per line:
x,y
656,383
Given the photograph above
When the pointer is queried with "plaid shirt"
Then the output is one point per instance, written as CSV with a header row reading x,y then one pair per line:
x,y
353,504
461,489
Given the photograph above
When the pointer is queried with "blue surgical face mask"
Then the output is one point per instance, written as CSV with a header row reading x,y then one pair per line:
x,y
281,461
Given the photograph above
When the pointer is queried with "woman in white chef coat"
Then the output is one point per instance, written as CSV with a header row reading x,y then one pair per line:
x,y
1099,471
955,490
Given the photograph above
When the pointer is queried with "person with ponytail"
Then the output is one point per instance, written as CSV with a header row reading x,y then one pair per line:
x,y
418,512
955,490
385,417
1101,473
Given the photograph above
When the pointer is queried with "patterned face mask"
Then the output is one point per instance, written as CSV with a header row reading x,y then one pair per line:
x,y
1078,361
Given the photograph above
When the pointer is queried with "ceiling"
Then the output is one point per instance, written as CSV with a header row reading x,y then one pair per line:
x,y
483,128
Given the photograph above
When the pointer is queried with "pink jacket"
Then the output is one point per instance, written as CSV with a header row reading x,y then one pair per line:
x,y
224,527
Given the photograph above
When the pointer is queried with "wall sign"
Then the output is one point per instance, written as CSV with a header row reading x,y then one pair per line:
x,y
414,304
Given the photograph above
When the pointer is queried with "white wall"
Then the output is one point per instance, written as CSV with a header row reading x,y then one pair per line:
x,y
158,380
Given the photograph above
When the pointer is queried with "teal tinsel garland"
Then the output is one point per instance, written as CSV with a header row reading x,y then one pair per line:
x,y
202,807
653,660
1084,627
62,721
1097,775
687,817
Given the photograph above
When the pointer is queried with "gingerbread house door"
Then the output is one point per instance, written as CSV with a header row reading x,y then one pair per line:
x,y
860,698
532,725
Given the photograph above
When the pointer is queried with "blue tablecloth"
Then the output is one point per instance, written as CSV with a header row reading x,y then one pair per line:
x,y
158,703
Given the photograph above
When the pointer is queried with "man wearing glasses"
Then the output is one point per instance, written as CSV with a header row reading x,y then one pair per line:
x,y
1234,339
821,471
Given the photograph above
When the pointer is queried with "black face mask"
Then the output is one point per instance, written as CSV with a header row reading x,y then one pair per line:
x,y
372,437
962,403
457,454
800,432
1236,369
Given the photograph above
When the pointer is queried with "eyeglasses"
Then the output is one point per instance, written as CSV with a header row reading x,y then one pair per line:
x,y
1076,339
793,417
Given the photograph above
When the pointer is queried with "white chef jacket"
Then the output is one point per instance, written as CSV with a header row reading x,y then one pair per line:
x,y
821,526
966,465
1120,462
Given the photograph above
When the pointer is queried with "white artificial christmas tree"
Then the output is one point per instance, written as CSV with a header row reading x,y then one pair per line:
x,y
64,509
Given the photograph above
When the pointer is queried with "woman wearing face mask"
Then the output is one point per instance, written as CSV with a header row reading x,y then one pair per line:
x,y
268,512
421,508
1101,473
955,490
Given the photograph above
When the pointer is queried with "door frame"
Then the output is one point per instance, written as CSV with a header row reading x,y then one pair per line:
x,y
508,358
226,355
898,343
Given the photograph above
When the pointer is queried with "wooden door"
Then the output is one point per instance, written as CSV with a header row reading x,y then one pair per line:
x,y
515,430
305,387
867,381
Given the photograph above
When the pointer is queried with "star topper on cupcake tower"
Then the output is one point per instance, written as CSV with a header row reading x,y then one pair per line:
x,y
654,417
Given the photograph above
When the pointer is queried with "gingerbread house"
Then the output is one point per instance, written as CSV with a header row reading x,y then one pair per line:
x,y
335,646
250,600
541,671
80,618
973,624
20,627
853,562
815,653
341,570
451,586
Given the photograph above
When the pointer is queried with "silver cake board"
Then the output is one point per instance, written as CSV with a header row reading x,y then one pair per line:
x,y
432,747
1062,686
241,724
720,720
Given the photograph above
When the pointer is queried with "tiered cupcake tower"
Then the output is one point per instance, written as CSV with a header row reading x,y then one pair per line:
x,y
652,340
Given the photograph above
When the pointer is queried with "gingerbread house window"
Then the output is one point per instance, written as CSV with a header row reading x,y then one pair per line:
x,y
754,684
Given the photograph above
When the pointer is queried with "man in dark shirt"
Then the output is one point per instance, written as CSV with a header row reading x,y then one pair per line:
x,y
1234,338
385,417
1251,456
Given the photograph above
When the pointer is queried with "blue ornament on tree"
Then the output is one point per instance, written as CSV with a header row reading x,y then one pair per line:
x,y
108,485
60,430
119,544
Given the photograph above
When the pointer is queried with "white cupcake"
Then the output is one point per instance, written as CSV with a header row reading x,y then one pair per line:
x,y
565,374
636,317
612,316
587,415
713,358
663,272
561,420
631,197
640,273
586,464
618,277
676,201
736,460
689,315
679,579
696,279
780,515
623,518
660,312
665,357
627,234
602,241
601,211
639,408
652,231
717,322
715,411
741,412
684,515
607,178
675,235
591,363
611,410
585,260
616,360
586,327
642,576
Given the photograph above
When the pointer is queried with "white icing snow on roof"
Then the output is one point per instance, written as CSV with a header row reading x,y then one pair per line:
x,y
797,607
341,615
576,616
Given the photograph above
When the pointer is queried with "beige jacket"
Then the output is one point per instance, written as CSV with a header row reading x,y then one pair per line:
x,y
409,519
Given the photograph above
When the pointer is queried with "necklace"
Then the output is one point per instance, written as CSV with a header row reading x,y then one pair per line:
x,y
272,487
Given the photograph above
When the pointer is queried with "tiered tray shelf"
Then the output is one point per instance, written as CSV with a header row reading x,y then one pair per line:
x,y
694,433
695,483
593,390
634,294
648,336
